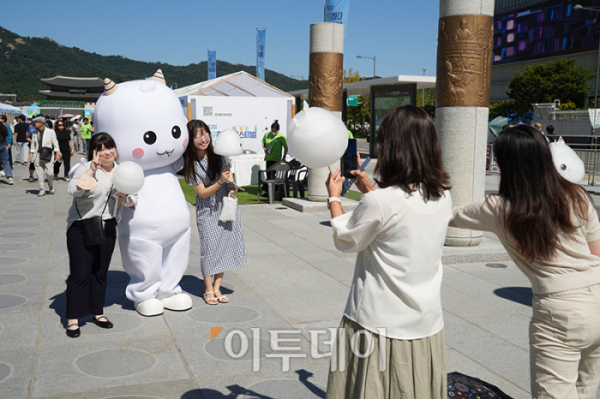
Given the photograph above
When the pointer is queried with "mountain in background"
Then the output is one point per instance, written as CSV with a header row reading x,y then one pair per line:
x,y
24,61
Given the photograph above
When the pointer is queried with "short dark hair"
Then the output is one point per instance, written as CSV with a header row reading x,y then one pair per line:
x,y
22,118
550,129
98,140
47,117
409,153
3,117
275,125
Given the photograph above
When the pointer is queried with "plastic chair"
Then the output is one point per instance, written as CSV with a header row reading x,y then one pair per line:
x,y
298,178
280,170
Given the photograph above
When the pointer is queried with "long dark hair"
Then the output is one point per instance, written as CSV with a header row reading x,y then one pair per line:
x,y
190,155
538,201
409,153
97,141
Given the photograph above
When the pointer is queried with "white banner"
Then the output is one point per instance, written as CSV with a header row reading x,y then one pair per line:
x,y
250,117
596,121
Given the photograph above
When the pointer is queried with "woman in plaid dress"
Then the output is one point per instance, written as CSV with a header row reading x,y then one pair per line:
x,y
221,243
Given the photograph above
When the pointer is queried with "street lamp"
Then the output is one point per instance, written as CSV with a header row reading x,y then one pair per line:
x,y
371,58
580,7
423,98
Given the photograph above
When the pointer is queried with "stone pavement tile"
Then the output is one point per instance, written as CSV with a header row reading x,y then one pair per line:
x,y
463,334
302,308
460,363
319,334
97,365
16,372
265,249
128,324
249,349
231,286
294,226
303,281
307,382
19,331
181,389
247,312
347,256
274,263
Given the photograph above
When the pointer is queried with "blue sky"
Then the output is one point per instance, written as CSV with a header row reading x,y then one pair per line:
x,y
401,34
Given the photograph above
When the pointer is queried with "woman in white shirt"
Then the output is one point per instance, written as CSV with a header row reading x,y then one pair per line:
x,y
392,344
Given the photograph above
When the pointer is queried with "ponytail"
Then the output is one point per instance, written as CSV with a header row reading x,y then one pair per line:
x,y
275,125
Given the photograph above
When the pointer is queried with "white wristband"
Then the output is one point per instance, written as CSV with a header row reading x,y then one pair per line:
x,y
333,199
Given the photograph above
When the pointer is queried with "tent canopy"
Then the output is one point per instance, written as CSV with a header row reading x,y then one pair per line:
x,y
239,84
9,109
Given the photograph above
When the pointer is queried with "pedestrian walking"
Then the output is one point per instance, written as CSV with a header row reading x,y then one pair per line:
x,y
86,134
550,229
222,245
4,149
22,141
66,149
44,152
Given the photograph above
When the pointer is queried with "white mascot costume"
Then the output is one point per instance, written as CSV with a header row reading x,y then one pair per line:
x,y
567,162
146,121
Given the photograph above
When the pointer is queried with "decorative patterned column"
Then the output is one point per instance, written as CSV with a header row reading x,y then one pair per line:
x,y
464,65
325,86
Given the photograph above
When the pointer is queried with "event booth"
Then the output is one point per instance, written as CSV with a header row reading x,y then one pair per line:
x,y
244,104
10,111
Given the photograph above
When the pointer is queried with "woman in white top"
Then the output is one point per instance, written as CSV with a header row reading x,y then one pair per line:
x,y
549,227
394,310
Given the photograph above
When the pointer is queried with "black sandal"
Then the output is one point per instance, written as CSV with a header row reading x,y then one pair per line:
x,y
103,324
73,333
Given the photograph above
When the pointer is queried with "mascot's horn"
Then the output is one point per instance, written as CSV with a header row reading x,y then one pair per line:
x,y
159,77
110,87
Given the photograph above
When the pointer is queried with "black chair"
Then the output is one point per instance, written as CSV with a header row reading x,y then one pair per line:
x,y
297,178
280,171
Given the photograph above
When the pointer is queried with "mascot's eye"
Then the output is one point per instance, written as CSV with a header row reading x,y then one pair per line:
x,y
176,132
150,137
563,167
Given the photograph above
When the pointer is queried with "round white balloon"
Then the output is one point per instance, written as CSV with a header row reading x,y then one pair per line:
x,y
128,178
228,144
567,162
317,137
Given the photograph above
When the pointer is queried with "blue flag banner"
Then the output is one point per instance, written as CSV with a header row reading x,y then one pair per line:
x,y
260,53
212,64
337,11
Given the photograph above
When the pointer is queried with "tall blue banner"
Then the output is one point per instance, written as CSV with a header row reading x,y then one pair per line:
x,y
260,53
212,64
337,11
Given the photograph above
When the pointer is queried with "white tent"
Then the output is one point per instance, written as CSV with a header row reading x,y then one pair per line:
x,y
9,109
240,102
239,84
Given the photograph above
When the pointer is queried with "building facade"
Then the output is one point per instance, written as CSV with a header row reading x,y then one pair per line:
x,y
65,88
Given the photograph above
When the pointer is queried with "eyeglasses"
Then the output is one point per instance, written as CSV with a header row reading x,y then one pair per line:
x,y
60,125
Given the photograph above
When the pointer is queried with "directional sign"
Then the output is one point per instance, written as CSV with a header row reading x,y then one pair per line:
x,y
352,101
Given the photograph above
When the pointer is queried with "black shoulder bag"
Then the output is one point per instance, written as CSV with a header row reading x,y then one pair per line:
x,y
93,228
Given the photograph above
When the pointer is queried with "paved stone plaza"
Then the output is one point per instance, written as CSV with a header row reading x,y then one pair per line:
x,y
295,280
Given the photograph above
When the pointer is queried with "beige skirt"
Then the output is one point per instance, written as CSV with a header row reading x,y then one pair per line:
x,y
367,365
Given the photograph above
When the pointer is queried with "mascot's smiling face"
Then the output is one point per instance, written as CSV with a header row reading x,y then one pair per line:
x,y
145,119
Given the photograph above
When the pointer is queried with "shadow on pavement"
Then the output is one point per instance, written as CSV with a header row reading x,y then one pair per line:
x,y
522,295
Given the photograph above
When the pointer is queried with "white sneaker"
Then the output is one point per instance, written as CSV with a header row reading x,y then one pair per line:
x,y
52,190
42,193
2,173
10,181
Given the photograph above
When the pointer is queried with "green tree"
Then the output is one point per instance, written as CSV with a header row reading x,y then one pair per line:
x,y
562,79
354,115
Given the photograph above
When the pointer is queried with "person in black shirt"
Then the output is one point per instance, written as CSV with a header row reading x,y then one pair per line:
x,y
21,140
66,148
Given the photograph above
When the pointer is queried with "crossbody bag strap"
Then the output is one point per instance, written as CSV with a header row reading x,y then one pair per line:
x,y
105,205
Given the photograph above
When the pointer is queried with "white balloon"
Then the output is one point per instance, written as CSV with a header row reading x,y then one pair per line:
x,y
128,178
228,144
567,162
317,137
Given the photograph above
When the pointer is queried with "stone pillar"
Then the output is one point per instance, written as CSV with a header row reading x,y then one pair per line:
x,y
325,87
464,65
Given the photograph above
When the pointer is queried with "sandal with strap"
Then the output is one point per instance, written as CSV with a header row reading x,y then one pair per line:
x,y
210,301
73,333
222,298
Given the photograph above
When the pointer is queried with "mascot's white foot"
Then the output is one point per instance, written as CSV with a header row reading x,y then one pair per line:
x,y
149,307
177,302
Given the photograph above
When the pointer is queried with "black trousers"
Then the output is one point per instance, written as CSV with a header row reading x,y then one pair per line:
x,y
66,160
88,266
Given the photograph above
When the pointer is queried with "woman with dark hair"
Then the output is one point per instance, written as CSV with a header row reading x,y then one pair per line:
x,y
66,148
549,227
221,243
93,195
275,147
392,344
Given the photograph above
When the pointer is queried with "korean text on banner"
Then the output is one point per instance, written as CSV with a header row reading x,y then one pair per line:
x,y
337,11
595,117
212,64
260,53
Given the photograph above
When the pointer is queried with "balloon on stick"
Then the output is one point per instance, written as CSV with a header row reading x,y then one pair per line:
x,y
128,178
228,144
317,137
